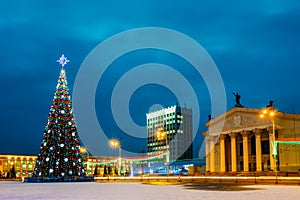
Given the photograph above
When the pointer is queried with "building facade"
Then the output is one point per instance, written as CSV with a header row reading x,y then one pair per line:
x,y
23,164
176,123
241,141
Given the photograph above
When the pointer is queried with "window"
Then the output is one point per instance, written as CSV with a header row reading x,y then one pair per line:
x,y
18,164
265,147
30,165
5,165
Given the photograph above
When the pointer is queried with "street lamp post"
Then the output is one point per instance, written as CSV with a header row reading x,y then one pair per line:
x,y
113,143
270,113
160,135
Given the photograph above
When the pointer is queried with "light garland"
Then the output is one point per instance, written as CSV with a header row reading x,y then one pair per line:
x,y
59,154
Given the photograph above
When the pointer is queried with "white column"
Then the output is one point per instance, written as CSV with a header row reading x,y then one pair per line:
x,y
233,152
212,154
222,153
258,149
245,151
207,152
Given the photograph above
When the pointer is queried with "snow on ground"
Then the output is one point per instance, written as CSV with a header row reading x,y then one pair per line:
x,y
133,191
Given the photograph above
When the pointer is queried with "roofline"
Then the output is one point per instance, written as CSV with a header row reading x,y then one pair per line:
x,y
249,110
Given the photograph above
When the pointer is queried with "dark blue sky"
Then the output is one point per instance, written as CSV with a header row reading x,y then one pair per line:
x,y
255,45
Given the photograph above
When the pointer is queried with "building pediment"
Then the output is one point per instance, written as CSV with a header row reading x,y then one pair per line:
x,y
236,120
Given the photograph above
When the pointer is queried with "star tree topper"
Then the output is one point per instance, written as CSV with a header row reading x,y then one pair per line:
x,y
63,60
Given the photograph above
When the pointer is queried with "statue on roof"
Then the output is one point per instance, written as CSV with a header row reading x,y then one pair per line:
x,y
271,104
237,100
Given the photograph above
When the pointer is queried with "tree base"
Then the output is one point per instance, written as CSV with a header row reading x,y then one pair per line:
x,y
58,179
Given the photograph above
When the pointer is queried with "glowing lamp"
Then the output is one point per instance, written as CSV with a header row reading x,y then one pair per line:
x,y
261,115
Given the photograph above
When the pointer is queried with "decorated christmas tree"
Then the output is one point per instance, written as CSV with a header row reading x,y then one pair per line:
x,y
59,154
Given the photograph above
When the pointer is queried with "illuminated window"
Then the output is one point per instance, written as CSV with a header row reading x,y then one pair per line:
x,y
5,165
30,166
18,165
24,165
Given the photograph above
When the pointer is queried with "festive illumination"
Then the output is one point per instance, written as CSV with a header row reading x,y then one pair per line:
x,y
59,154
63,60
285,141
136,160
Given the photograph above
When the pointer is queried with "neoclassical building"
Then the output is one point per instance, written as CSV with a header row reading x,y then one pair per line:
x,y
253,140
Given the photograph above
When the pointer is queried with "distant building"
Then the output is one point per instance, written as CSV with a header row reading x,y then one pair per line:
x,y
176,123
241,141
23,164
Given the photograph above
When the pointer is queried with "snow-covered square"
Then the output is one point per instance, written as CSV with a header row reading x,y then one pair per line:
x,y
139,191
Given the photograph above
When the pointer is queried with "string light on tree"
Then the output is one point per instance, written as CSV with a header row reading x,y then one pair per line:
x,y
59,154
